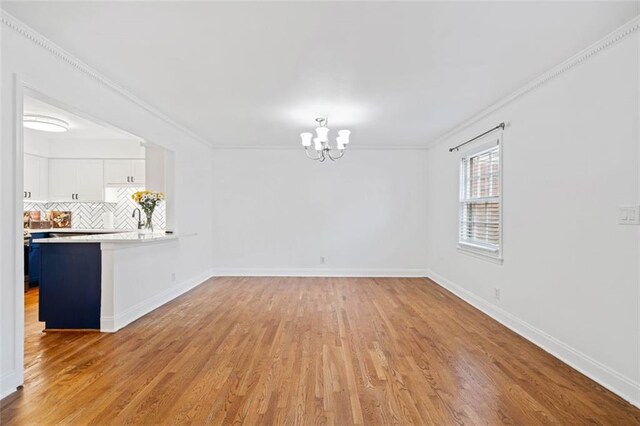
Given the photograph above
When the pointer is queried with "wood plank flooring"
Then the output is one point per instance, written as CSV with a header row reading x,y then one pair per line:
x,y
304,351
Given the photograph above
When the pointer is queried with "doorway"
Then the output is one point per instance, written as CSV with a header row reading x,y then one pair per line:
x,y
78,178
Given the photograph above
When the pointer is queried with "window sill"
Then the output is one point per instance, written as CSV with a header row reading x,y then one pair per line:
x,y
480,253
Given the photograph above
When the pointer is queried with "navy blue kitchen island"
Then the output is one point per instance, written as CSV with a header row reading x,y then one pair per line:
x,y
70,285
105,281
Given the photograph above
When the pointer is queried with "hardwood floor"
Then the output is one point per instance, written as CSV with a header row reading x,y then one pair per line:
x,y
305,351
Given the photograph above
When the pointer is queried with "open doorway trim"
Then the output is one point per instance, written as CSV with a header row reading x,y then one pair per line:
x,y
22,89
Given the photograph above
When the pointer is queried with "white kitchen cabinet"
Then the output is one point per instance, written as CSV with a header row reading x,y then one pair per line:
x,y
62,180
124,172
44,179
117,172
76,180
90,180
36,177
137,175
31,176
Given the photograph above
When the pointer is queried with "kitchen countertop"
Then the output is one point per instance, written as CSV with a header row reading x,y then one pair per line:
x,y
120,237
78,230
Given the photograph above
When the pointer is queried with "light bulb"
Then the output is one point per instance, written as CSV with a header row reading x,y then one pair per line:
x,y
317,144
306,139
344,136
323,134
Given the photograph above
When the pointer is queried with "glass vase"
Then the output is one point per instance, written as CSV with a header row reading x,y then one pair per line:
x,y
148,225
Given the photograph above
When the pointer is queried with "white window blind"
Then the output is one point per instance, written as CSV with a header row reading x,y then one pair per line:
x,y
480,216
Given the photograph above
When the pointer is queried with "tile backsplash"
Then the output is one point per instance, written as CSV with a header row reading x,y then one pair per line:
x,y
89,215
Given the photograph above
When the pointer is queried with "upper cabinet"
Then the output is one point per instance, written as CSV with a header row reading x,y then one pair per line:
x,y
76,180
90,180
138,172
124,172
36,178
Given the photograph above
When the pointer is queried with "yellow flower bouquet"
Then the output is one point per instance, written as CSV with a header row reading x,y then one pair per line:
x,y
148,200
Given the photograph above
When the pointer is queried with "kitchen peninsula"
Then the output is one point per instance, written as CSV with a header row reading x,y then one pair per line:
x,y
102,281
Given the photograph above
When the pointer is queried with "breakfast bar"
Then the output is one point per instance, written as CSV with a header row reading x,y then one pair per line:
x,y
84,279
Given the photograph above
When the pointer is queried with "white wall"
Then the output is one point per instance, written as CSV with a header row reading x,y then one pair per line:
x,y
36,143
138,278
277,212
570,278
156,170
95,148
65,83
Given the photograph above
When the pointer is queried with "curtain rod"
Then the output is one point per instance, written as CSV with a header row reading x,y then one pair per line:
x,y
457,147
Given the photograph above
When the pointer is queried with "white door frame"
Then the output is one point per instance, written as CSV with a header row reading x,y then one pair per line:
x,y
21,88
18,161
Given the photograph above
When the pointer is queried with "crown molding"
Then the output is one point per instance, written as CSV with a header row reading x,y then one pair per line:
x,y
298,147
577,59
21,28
32,35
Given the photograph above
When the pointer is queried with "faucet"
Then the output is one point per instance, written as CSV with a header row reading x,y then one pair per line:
x,y
139,217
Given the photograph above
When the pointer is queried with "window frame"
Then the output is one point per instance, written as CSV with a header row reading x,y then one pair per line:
x,y
479,250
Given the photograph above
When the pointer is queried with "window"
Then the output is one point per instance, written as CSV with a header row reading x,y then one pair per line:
x,y
480,225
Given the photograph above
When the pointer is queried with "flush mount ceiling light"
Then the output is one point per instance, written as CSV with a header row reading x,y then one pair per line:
x,y
45,123
321,142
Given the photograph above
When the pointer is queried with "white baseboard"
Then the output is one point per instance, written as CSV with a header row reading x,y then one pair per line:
x,y
312,272
9,382
610,379
113,324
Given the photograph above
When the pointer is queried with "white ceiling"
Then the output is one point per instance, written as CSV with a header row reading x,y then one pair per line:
x,y
79,127
247,74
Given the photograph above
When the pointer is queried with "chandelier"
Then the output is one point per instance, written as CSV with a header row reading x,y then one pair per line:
x,y
321,142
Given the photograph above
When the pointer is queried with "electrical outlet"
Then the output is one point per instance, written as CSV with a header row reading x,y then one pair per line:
x,y
496,293
623,215
322,260
173,276
629,215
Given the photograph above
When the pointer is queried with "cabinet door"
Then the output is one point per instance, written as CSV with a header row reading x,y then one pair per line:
x,y
89,180
43,189
117,172
31,177
138,167
62,180
33,264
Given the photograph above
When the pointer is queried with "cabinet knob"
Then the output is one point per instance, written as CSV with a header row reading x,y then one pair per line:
x,y
132,179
